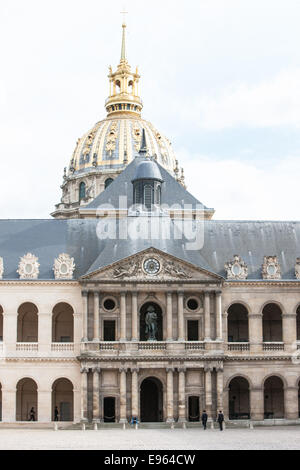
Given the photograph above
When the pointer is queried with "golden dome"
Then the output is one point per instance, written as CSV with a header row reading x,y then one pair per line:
x,y
113,143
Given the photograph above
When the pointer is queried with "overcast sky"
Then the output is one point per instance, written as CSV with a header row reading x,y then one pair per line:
x,y
220,78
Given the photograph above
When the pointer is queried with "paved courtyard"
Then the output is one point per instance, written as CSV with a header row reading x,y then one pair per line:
x,y
164,439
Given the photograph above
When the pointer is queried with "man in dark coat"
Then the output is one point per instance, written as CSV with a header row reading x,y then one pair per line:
x,y
56,414
32,414
221,420
204,419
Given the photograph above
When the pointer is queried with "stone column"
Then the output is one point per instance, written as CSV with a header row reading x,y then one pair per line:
x,y
96,394
219,316
170,395
255,332
220,387
9,404
289,330
134,316
85,314
96,317
169,317
181,333
123,396
208,391
84,391
257,403
134,393
207,316
123,316
44,409
225,328
291,410
181,395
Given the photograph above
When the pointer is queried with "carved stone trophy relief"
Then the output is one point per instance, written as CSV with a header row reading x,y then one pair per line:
x,y
297,269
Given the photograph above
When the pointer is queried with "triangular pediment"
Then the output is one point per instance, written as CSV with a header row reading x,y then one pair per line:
x,y
152,265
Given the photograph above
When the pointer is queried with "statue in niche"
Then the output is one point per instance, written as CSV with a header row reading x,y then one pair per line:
x,y
151,324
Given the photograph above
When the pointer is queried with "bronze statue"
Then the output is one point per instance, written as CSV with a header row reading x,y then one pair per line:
x,y
151,324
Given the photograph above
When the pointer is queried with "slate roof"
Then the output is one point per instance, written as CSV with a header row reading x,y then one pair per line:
x,y
173,193
222,240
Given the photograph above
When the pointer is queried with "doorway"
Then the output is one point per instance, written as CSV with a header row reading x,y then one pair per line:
x,y
151,401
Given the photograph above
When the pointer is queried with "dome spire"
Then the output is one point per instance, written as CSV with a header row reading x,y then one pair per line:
x,y
123,49
124,86
143,150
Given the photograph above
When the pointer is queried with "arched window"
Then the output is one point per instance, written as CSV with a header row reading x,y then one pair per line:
x,y
148,196
274,398
237,324
82,191
272,323
62,400
27,400
239,399
62,324
108,182
27,323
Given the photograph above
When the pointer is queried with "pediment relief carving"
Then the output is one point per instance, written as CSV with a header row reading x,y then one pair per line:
x,y
153,265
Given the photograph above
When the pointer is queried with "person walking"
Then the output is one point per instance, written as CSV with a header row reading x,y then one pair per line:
x,y
221,419
32,414
204,419
56,414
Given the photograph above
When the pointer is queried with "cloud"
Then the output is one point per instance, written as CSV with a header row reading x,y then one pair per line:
x,y
241,190
271,103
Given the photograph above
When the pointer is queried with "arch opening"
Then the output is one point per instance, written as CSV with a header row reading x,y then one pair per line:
x,y
62,400
63,323
151,401
239,399
238,329
27,400
272,323
27,328
151,322
273,398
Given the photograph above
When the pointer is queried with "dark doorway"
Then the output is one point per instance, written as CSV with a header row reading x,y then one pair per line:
x,y
151,401
193,330
109,330
109,410
194,409
239,399
143,336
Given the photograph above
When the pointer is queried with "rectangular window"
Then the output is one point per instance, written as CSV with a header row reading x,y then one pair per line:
x,y
193,330
109,330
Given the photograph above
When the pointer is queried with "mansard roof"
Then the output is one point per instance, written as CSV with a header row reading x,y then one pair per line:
x,y
47,239
173,193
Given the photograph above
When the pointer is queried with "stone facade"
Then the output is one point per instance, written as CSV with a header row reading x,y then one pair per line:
x,y
112,377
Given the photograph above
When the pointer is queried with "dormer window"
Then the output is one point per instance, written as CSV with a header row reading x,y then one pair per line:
x,y
82,191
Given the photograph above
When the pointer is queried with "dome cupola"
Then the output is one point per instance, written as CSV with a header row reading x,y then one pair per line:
x,y
147,180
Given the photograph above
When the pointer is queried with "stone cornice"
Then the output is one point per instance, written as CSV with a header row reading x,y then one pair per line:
x,y
39,359
256,358
149,281
263,283
38,282
148,359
